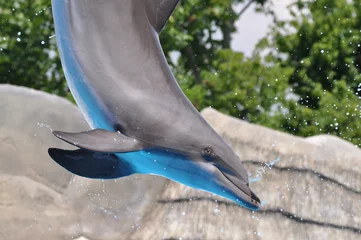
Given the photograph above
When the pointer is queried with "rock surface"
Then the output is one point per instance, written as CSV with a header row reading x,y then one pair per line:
x,y
39,199
312,189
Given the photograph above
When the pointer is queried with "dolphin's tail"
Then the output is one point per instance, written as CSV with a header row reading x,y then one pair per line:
x,y
91,164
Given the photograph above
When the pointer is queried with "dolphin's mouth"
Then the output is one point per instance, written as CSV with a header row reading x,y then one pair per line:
x,y
255,200
245,189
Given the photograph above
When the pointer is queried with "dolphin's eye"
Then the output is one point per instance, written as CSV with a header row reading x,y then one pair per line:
x,y
207,151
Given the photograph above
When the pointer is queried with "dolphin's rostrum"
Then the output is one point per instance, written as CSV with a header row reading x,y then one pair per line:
x,y
119,77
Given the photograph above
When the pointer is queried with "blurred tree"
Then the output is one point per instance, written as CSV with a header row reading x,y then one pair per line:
x,y
242,87
210,73
338,114
198,28
322,45
27,52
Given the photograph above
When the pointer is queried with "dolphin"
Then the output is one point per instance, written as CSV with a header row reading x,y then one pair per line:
x,y
142,122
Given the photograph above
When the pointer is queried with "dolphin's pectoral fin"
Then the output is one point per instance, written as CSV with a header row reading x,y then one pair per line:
x,y
100,140
91,164
159,11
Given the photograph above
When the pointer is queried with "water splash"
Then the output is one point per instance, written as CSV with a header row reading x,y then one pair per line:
x,y
103,186
273,163
256,179
263,170
43,125
263,203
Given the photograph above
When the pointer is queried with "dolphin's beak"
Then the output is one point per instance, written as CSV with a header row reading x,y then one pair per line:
x,y
255,200
240,188
251,200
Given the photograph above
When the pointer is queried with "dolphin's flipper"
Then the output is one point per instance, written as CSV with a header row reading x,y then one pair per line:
x,y
90,164
159,11
100,140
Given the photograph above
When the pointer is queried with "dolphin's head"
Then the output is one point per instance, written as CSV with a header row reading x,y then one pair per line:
x,y
231,174
228,172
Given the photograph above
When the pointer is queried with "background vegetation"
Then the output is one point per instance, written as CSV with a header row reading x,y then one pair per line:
x,y
303,78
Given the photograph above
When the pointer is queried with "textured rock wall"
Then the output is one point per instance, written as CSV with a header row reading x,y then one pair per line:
x,y
313,190
39,199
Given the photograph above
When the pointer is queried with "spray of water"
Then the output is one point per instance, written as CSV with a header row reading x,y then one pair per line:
x,y
43,125
263,170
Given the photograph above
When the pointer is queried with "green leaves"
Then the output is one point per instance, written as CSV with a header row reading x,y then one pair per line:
x,y
28,54
322,46
241,87
338,114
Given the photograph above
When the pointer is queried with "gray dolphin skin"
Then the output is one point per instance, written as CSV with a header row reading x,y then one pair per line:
x,y
143,123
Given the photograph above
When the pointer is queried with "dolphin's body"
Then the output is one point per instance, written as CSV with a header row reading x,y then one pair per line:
x,y
119,77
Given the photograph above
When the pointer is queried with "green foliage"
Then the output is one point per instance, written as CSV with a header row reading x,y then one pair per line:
x,y
322,45
27,53
338,114
213,75
324,48
241,87
197,30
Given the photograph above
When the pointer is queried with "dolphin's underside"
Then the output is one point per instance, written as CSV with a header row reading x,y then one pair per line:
x,y
119,77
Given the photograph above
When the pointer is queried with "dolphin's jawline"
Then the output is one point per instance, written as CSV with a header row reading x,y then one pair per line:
x,y
251,194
